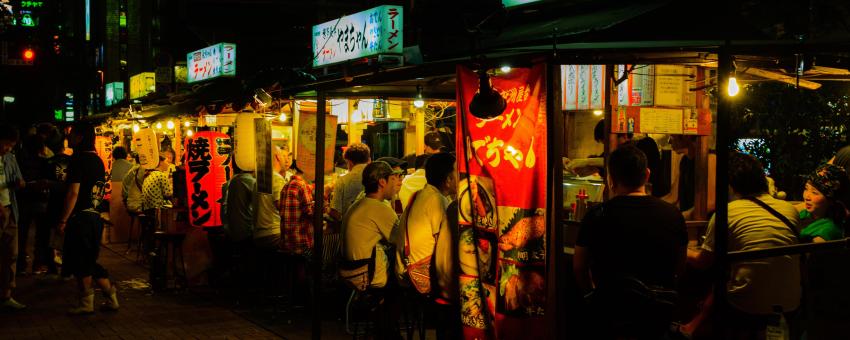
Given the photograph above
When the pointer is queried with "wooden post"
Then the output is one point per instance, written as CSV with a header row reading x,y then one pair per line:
x,y
701,166
318,208
721,225
556,278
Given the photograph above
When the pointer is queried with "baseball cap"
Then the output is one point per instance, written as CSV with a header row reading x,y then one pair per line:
x,y
378,170
393,162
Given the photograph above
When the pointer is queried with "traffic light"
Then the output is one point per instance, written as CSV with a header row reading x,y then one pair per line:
x,y
28,55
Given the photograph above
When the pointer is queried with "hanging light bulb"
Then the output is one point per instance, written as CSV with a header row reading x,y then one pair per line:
x,y
505,69
136,128
189,133
170,124
597,112
159,125
733,88
419,102
187,123
282,117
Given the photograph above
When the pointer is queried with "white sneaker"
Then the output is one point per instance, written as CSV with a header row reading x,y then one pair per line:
x,y
12,304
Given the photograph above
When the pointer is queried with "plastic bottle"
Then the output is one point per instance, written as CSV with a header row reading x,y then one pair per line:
x,y
778,331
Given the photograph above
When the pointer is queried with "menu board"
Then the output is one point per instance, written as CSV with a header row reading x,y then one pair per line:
x,y
146,145
263,151
670,89
658,120
639,87
583,87
306,151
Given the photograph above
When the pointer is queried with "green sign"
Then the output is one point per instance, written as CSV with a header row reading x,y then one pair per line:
x,y
514,3
57,114
27,20
32,4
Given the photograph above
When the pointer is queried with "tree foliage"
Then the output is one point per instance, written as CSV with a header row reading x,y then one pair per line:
x,y
799,129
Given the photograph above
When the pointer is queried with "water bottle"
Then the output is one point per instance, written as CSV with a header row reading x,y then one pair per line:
x,y
779,330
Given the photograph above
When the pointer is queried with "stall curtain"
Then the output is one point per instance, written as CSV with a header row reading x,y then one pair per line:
x,y
502,215
208,168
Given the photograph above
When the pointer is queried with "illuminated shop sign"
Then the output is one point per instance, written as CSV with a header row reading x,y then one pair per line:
x,y
142,84
114,93
367,33
211,62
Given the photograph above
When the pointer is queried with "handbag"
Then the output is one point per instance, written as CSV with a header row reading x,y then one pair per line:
x,y
419,272
358,274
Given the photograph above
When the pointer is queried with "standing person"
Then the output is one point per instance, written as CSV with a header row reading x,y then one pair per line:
x,y
419,229
80,221
433,143
414,182
266,210
132,187
286,164
296,211
50,240
634,237
682,191
366,230
10,180
34,168
120,165
349,186
756,221
239,209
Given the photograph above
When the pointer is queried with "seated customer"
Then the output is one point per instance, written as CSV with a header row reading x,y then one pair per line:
x,y
756,221
633,236
822,211
369,222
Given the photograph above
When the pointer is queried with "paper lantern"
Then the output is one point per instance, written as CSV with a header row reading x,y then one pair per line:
x,y
103,147
244,144
208,167
147,146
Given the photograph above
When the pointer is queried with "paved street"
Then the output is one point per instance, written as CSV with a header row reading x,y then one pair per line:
x,y
143,315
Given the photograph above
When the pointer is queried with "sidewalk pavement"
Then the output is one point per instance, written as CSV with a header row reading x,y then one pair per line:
x,y
143,315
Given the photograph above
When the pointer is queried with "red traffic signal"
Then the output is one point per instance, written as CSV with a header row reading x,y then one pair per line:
x,y
29,54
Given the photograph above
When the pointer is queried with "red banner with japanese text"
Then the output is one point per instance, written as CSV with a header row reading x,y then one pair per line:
x,y
208,157
103,147
503,227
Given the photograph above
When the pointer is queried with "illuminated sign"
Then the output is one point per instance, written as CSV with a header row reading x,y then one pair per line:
x,y
32,4
367,33
514,3
69,107
215,61
142,84
114,93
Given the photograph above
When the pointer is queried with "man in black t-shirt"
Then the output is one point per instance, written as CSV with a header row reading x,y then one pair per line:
x,y
81,222
631,238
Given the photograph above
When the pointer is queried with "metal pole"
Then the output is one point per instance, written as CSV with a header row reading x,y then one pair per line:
x,y
555,236
721,222
318,208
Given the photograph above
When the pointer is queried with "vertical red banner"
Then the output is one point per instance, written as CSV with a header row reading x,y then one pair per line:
x,y
208,157
503,226
103,147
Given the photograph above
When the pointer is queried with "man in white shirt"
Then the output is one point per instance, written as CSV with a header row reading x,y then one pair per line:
x,y
754,286
370,222
349,186
266,211
414,182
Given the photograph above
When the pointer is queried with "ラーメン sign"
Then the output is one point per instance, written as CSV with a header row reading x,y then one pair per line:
x,y
211,62
367,33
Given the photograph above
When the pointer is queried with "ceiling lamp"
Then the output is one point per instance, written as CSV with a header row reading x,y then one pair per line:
x,y
487,103
187,123
732,88
159,125
189,133
170,125
419,102
136,128
282,117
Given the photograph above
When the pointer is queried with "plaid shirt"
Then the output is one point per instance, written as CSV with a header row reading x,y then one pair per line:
x,y
296,211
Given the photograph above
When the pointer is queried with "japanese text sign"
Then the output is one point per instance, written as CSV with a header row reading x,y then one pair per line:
x,y
142,84
367,33
583,87
210,62
114,93
502,207
146,144
306,149
208,157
